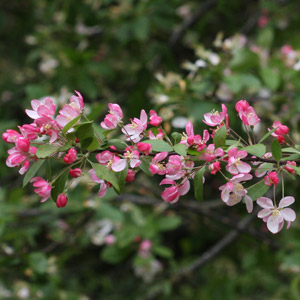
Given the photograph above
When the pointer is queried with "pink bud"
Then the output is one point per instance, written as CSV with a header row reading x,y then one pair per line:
x,y
130,175
145,245
214,167
170,194
155,120
22,144
71,156
10,136
263,21
271,178
75,172
110,239
290,169
241,105
281,139
144,147
62,200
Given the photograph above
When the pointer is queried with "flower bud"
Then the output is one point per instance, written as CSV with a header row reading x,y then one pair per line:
x,y
144,147
71,156
130,175
22,144
62,200
75,172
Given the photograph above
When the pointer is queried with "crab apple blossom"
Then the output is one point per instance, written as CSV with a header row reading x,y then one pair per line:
x,y
216,118
10,136
71,156
43,188
210,153
144,148
134,131
214,167
41,109
280,131
114,117
271,179
30,131
156,167
233,191
155,120
75,172
22,144
130,175
61,200
289,168
246,113
159,136
103,185
249,204
172,193
235,165
275,216
77,102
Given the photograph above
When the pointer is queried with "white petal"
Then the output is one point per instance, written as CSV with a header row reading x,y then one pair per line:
x,y
265,202
288,214
273,224
286,201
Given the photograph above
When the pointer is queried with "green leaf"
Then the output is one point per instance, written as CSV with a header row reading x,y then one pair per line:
x,y
271,78
176,137
180,149
290,150
163,251
297,169
94,145
66,146
59,185
257,150
159,145
117,179
193,151
168,223
120,145
110,212
85,134
276,150
144,166
38,262
32,171
267,135
220,137
70,124
257,190
265,37
198,184
46,150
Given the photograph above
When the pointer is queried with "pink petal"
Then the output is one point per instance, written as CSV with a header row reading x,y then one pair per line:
x,y
288,214
119,165
273,224
265,202
244,167
264,213
249,204
286,201
183,189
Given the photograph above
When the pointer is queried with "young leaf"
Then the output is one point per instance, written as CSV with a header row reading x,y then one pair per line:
x,y
198,184
117,179
257,150
267,135
32,171
159,145
220,137
257,190
276,150
59,185
180,149
70,124
46,150
85,134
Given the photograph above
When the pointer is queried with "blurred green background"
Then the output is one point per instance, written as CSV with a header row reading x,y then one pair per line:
x,y
182,58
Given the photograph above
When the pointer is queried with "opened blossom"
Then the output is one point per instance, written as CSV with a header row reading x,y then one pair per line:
x,y
103,184
246,113
134,131
216,118
40,109
155,120
271,179
211,153
233,191
111,161
235,165
172,193
43,188
275,216
114,117
156,165
159,136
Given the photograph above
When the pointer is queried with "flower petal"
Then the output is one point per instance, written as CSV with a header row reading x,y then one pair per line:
x,y
288,214
265,202
286,201
273,224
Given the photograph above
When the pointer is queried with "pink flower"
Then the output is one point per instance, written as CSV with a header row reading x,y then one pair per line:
x,y
41,109
249,204
71,156
145,245
235,165
114,117
286,49
263,21
144,148
246,113
233,191
281,130
130,175
275,216
75,172
30,131
241,106
174,165
172,193
155,120
43,188
103,185
77,102
110,239
49,127
210,153
22,144
134,131
271,178
216,118
111,161
10,136
214,167
159,136
61,200
290,169
156,167
67,114
195,141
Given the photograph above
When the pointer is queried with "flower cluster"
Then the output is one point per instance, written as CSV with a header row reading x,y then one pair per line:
x,y
146,147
